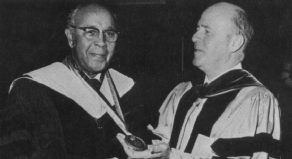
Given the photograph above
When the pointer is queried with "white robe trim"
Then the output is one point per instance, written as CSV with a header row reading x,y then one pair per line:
x,y
254,110
58,77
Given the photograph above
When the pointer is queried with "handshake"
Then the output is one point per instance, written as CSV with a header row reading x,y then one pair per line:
x,y
135,147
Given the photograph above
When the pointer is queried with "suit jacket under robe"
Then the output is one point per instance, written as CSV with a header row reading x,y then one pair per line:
x,y
254,110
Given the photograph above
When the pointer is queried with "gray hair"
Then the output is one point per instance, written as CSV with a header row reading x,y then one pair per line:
x,y
73,14
243,25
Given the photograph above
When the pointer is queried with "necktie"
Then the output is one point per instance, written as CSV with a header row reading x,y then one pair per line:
x,y
94,83
201,89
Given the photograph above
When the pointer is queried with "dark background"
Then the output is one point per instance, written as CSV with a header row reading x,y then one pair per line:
x,y
154,46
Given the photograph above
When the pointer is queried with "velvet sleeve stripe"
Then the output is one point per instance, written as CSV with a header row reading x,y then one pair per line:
x,y
246,146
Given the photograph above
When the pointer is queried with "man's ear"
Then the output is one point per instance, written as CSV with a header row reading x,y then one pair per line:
x,y
70,37
236,43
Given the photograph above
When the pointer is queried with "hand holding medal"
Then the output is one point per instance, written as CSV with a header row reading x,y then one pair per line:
x,y
157,149
135,142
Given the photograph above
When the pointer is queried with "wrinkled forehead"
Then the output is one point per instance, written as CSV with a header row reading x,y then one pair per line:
x,y
95,16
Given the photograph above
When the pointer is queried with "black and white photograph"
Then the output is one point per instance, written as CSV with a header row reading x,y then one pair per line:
x,y
145,79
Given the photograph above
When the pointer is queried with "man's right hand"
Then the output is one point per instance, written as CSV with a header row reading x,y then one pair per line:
x,y
156,150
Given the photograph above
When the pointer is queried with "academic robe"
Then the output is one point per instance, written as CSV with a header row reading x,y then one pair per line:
x,y
246,126
43,119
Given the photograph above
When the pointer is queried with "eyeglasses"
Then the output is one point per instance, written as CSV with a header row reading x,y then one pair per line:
x,y
91,32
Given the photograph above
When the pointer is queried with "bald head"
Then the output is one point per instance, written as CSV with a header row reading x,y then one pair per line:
x,y
220,38
220,15
237,17
225,5
223,8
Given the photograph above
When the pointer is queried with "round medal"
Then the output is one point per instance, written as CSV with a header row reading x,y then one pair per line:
x,y
136,143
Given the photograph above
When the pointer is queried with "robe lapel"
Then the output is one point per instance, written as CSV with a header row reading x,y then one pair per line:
x,y
219,94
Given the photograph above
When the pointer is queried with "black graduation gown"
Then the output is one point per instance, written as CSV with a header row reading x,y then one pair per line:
x,y
39,122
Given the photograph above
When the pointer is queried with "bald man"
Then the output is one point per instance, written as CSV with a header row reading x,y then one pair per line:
x,y
63,110
229,114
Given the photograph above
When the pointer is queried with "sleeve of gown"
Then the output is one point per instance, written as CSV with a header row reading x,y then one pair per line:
x,y
264,124
268,121
267,132
29,125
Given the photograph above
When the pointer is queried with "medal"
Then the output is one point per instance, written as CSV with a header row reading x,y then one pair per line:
x,y
115,112
135,143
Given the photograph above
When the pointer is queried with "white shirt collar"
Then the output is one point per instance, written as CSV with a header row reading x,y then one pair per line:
x,y
238,66
98,77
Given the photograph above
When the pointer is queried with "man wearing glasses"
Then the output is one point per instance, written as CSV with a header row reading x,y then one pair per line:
x,y
64,110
